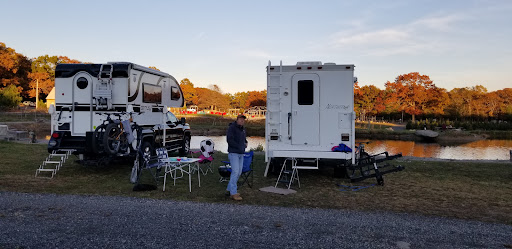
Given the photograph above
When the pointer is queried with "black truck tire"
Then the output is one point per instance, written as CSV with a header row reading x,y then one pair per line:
x,y
185,146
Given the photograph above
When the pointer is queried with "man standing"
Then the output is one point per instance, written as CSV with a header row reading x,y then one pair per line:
x,y
236,147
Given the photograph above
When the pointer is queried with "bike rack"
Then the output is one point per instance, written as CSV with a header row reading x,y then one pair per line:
x,y
368,167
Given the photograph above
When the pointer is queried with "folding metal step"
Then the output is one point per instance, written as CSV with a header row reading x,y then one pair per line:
x,y
50,164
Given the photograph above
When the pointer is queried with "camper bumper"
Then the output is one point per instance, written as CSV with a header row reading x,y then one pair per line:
x,y
61,140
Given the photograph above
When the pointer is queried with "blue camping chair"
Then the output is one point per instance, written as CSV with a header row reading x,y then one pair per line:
x,y
225,171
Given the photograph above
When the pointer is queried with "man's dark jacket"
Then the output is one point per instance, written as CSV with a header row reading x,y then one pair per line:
x,y
236,138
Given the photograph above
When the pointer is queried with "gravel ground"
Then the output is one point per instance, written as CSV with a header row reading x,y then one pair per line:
x,y
70,221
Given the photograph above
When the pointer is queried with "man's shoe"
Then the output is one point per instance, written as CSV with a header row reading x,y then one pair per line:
x,y
236,197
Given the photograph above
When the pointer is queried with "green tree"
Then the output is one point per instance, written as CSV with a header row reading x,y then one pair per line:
x,y
10,96
239,99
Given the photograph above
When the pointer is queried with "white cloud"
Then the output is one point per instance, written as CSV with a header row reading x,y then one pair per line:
x,y
439,23
417,37
389,36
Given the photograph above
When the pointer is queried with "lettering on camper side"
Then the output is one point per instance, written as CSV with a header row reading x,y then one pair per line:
x,y
337,107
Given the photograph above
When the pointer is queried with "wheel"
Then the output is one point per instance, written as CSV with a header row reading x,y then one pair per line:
x,y
112,139
97,143
185,146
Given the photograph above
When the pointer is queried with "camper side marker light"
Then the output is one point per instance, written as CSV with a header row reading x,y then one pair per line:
x,y
320,67
309,67
299,68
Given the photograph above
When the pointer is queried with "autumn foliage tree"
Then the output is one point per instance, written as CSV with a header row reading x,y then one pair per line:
x,y
411,91
43,72
211,99
369,101
189,92
256,98
14,70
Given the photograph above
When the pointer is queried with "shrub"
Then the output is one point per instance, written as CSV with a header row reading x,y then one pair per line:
x,y
258,148
10,96
41,106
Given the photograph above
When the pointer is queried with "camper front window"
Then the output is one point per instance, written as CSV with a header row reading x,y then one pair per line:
x,y
175,93
305,92
152,93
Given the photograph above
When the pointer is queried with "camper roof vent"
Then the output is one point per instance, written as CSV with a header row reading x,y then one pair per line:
x,y
312,63
329,63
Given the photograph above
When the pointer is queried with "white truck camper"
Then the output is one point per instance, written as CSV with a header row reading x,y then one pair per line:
x,y
93,101
310,110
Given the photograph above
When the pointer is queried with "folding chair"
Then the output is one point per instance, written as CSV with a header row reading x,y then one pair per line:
x,y
206,156
153,164
225,171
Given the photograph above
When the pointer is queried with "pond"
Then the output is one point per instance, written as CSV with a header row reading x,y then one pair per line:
x,y
478,150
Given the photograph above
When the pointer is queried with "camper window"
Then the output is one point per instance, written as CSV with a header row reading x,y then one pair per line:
x,y
82,83
175,93
305,92
152,93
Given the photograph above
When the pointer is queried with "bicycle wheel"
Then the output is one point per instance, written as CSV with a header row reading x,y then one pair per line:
x,y
97,143
112,139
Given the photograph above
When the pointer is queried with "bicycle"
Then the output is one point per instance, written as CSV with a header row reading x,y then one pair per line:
x,y
116,135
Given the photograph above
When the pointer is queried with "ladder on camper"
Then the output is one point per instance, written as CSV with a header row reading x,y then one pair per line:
x,y
274,102
289,174
54,161
102,95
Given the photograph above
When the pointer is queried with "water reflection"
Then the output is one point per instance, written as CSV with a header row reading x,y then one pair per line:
x,y
484,149
222,145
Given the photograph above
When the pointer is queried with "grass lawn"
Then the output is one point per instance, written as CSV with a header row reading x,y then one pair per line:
x,y
467,190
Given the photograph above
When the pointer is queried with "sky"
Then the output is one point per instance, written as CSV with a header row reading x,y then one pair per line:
x,y
229,43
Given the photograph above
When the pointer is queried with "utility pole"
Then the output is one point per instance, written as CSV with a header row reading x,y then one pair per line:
x,y
37,92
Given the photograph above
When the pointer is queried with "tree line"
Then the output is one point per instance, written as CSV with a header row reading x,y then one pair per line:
x,y
409,96
19,76
416,95
212,97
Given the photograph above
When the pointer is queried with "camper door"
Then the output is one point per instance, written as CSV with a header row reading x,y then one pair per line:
x,y
82,102
305,115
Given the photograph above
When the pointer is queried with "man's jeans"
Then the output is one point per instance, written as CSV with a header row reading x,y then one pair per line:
x,y
237,162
